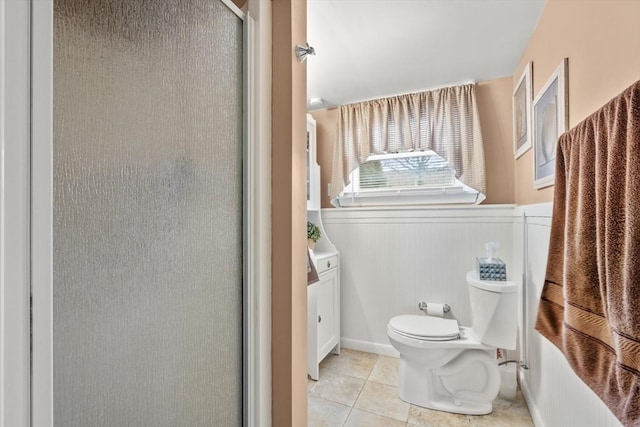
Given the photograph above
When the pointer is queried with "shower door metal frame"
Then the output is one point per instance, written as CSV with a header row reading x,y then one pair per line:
x,y
41,202
14,213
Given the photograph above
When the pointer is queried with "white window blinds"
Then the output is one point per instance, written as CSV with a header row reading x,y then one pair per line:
x,y
406,170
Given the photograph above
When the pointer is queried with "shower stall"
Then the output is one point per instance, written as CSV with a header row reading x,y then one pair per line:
x,y
138,214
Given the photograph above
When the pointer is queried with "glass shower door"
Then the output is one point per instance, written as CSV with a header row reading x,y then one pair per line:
x,y
147,213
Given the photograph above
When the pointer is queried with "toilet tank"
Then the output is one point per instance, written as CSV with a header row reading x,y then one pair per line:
x,y
494,311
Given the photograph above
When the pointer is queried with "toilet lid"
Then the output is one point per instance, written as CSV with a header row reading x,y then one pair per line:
x,y
425,327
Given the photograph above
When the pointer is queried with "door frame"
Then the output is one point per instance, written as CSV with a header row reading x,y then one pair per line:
x,y
26,392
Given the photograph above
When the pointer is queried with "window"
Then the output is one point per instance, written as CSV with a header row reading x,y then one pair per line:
x,y
405,178
385,150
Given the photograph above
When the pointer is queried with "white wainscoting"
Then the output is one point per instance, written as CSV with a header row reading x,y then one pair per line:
x,y
393,258
555,395
390,259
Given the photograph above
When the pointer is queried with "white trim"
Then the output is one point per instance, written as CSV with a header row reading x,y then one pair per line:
x,y
14,214
42,211
526,215
539,213
258,299
439,214
248,251
528,397
410,197
369,347
257,197
536,214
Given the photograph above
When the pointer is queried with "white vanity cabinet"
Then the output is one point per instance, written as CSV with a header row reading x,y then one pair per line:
x,y
323,314
323,296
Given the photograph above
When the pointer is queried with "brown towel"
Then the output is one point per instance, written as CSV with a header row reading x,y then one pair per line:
x,y
590,303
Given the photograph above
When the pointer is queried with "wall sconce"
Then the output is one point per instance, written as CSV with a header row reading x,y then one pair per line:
x,y
303,51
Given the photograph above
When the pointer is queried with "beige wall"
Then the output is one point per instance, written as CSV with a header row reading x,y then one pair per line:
x,y
494,107
242,4
289,282
601,38
325,136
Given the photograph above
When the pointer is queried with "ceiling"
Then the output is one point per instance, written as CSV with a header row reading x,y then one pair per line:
x,y
367,49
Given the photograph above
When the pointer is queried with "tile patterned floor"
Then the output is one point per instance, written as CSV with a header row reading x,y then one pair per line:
x,y
359,389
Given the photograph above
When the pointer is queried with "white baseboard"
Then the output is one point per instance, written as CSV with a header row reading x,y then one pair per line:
x,y
369,347
531,404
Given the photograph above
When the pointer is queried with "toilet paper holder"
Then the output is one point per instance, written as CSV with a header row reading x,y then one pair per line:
x,y
423,307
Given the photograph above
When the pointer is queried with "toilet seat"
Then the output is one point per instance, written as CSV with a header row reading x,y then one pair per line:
x,y
427,328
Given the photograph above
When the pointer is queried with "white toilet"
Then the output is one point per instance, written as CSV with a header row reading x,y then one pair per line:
x,y
453,368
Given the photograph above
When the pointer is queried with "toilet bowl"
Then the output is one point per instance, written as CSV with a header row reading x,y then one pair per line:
x,y
447,367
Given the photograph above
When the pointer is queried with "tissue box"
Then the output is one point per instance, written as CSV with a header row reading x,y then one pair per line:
x,y
494,269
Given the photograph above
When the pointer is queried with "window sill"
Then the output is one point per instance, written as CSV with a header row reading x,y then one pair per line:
x,y
405,197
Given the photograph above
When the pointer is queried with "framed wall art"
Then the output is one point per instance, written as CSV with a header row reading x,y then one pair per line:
x,y
522,113
550,119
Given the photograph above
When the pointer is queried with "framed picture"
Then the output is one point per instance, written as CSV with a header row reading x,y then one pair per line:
x,y
550,119
522,113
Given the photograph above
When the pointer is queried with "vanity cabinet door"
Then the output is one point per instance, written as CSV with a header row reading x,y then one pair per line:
x,y
328,333
323,320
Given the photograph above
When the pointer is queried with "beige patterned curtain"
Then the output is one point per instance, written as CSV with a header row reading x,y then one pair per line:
x,y
444,120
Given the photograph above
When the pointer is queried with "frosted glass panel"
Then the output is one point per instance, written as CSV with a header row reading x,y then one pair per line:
x,y
147,288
